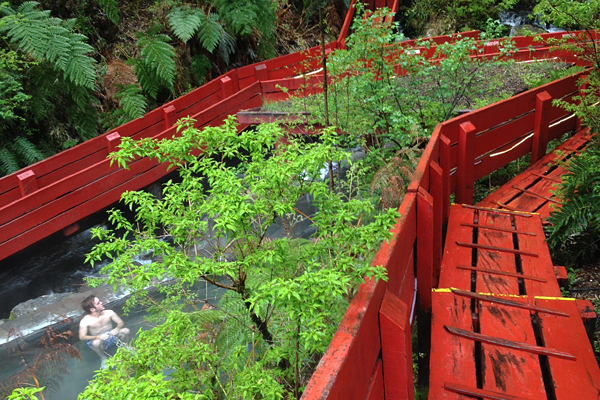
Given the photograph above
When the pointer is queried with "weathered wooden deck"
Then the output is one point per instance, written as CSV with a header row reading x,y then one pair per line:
x,y
532,190
500,328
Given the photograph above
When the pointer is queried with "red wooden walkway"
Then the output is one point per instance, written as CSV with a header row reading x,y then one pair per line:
x,y
370,356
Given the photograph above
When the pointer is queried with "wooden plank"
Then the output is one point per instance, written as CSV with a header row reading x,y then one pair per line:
x,y
490,141
9,196
424,249
578,379
72,168
396,350
541,124
51,193
497,113
353,349
455,255
197,95
514,372
465,163
376,391
397,254
492,283
541,267
83,190
507,195
452,357
201,105
75,214
437,190
422,171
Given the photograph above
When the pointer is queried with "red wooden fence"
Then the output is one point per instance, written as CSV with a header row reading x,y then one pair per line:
x,y
55,193
460,151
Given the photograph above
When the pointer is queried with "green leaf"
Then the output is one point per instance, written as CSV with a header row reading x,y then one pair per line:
x,y
184,22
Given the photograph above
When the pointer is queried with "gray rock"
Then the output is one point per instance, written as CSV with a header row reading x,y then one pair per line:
x,y
521,30
33,305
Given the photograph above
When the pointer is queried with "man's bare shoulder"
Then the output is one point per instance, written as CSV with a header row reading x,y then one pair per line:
x,y
86,320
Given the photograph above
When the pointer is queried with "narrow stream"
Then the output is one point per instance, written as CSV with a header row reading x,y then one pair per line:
x,y
57,266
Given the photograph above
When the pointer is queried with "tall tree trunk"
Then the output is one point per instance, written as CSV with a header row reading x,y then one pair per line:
x,y
324,58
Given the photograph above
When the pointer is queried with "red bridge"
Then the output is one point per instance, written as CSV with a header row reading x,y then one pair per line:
x,y
499,328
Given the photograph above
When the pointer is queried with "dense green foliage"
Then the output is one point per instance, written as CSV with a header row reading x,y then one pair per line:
x,y
50,93
435,17
389,100
284,294
575,229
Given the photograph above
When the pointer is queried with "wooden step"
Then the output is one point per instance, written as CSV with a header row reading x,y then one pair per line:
x,y
491,251
518,347
531,191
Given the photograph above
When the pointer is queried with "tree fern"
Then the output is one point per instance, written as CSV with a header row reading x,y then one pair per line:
x,y
226,46
576,224
27,150
110,7
145,77
210,32
132,102
243,16
184,22
8,162
157,57
200,66
49,39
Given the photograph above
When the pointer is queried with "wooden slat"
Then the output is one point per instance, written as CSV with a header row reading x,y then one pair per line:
x,y
514,372
488,283
510,344
572,380
456,255
508,302
541,267
375,391
452,357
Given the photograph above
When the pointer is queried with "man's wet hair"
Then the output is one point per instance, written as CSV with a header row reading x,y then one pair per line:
x,y
88,303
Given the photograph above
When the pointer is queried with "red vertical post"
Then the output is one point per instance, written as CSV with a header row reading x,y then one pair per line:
x,y
227,87
27,182
541,129
261,72
396,352
112,141
424,248
491,47
446,167
466,163
424,278
436,190
170,116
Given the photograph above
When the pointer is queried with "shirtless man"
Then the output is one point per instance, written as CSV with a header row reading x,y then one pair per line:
x,y
96,327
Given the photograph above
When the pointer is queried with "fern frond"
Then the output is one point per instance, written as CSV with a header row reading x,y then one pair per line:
x,y
110,7
200,66
132,101
184,22
226,46
8,162
80,68
27,150
146,78
159,55
51,39
210,32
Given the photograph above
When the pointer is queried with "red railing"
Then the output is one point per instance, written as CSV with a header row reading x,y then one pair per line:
x,y
373,339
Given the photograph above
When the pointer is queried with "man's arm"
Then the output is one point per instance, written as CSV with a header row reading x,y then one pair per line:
x,y
115,318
